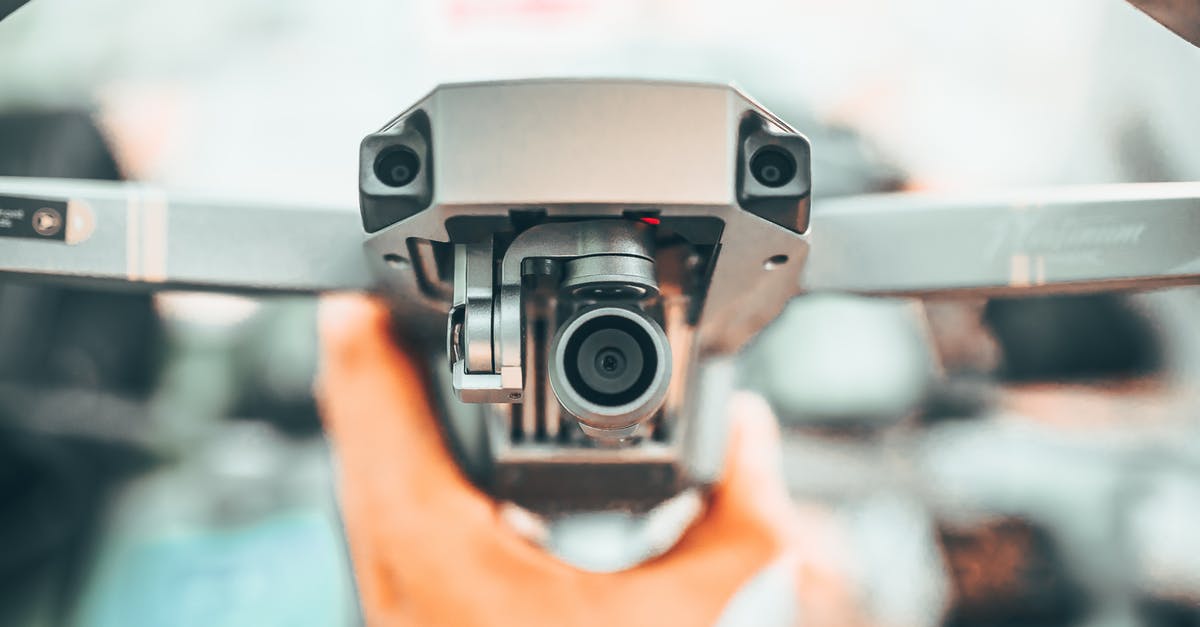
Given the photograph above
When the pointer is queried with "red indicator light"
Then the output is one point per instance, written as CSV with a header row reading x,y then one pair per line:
x,y
652,221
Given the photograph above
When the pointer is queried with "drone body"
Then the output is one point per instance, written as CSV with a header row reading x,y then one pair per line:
x,y
577,261
594,243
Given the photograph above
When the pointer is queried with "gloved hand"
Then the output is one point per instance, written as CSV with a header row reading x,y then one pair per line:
x,y
430,549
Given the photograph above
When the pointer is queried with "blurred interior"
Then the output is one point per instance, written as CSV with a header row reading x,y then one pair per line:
x,y
1012,462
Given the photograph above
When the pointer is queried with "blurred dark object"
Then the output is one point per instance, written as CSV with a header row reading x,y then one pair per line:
x,y
1089,338
8,6
70,337
78,338
275,359
958,398
75,369
41,495
844,163
63,144
1181,16
1007,572
1157,612
52,490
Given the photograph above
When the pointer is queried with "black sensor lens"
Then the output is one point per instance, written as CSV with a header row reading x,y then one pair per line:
x,y
610,363
397,166
610,360
773,166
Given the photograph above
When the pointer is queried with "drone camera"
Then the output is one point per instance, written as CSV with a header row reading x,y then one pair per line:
x,y
774,178
397,166
610,367
773,166
590,294
395,177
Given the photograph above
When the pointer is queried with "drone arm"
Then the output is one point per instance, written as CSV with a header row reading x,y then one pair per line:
x,y
114,234
1083,239
1181,16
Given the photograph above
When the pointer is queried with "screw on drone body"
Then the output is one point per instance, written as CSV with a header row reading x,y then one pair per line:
x,y
774,262
395,261
47,221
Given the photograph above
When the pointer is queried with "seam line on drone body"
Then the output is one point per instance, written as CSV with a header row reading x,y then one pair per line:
x,y
154,236
132,222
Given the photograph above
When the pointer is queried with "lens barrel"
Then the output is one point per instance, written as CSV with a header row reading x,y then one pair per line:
x,y
610,367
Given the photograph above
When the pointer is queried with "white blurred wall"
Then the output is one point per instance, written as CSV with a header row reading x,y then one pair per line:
x,y
270,99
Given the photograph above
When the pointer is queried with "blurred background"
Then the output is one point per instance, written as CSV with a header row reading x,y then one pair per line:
x,y
1032,462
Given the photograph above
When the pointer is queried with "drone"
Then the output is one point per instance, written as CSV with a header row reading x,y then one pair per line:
x,y
577,262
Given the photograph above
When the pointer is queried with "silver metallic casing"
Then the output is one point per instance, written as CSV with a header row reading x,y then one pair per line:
x,y
552,171
537,200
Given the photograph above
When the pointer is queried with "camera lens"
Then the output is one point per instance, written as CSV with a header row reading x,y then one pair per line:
x,y
610,367
397,166
773,166
608,361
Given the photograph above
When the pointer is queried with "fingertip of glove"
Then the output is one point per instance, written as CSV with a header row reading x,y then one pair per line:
x,y
345,319
754,423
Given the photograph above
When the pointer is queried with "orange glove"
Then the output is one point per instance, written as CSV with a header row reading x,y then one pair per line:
x,y
430,549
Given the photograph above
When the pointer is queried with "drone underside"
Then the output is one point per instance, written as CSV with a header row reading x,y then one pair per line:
x,y
577,260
